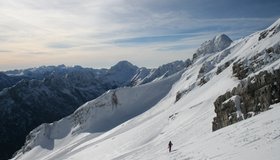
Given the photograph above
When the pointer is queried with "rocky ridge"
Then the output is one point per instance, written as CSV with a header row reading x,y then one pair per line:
x,y
252,96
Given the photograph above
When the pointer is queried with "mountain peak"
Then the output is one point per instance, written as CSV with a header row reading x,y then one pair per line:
x,y
222,38
221,42
217,44
122,72
123,63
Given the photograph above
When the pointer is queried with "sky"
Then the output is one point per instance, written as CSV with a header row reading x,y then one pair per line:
x,y
99,33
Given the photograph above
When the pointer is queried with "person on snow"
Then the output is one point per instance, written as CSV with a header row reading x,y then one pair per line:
x,y
170,145
114,100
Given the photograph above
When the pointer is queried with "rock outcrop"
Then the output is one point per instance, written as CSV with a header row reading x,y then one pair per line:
x,y
269,32
252,96
242,68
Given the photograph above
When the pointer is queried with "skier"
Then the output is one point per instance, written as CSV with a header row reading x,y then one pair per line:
x,y
170,145
114,100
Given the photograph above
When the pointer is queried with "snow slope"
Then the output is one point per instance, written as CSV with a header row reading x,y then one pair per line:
x,y
102,132
99,115
144,75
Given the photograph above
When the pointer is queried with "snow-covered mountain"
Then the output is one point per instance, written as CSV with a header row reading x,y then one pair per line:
x,y
197,109
214,45
148,75
120,74
31,102
45,94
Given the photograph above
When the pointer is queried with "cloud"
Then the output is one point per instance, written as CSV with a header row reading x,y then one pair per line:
x,y
94,28
60,45
149,39
5,51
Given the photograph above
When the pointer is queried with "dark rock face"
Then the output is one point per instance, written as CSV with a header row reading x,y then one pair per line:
x,y
252,96
205,68
178,96
203,80
242,68
222,67
269,32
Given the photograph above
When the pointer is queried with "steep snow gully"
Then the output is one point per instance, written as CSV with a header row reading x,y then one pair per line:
x,y
142,120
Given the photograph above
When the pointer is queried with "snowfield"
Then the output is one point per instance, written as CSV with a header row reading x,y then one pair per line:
x,y
146,117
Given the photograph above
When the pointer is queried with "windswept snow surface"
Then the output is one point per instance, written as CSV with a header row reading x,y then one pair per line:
x,y
187,123
94,118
